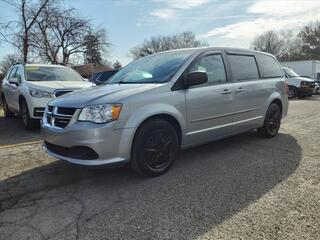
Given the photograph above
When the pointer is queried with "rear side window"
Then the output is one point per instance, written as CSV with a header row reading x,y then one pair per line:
x,y
243,67
268,66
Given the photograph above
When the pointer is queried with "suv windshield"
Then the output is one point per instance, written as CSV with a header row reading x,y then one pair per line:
x,y
158,68
290,72
35,73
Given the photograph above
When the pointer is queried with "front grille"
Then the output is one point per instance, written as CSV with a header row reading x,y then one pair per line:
x,y
62,92
59,116
77,152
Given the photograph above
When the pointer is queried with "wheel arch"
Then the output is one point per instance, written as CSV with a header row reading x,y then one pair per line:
x,y
21,98
167,117
132,120
279,103
275,98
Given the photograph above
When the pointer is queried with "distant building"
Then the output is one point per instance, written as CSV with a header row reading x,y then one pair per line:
x,y
88,69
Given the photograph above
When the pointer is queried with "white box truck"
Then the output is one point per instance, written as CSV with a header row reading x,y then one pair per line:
x,y
306,68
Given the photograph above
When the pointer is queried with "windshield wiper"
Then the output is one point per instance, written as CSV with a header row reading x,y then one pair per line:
x,y
124,82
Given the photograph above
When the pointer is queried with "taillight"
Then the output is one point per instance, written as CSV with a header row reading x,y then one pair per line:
x,y
286,85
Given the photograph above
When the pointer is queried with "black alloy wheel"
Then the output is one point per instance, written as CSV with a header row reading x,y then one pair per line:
x,y
154,148
272,122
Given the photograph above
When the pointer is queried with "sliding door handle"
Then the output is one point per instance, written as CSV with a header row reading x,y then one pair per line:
x,y
240,89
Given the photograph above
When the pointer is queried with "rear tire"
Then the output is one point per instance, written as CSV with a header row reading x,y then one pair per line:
x,y
271,123
154,149
28,122
6,110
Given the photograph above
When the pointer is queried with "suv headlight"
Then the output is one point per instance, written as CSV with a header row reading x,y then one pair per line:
x,y
39,93
100,113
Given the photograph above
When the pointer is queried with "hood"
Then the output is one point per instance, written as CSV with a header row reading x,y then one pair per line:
x,y
51,86
302,79
110,93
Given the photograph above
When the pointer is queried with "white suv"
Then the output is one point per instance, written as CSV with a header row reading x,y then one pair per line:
x,y
27,88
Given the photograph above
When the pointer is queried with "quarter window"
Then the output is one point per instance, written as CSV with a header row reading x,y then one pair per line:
x,y
243,67
12,73
19,73
268,66
213,65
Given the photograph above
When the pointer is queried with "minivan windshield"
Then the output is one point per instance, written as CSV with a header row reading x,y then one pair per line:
x,y
290,72
157,68
40,73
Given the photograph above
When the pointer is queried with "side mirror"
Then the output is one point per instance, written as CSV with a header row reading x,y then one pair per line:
x,y
14,81
195,78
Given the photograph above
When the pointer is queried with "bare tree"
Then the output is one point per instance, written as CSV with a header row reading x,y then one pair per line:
x,y
18,33
164,43
63,34
7,62
270,42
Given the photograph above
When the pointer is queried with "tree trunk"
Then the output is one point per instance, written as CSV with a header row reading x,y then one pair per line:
x,y
25,48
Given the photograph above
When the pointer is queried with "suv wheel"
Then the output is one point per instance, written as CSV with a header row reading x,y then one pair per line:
x,y
272,122
28,122
154,148
6,110
292,93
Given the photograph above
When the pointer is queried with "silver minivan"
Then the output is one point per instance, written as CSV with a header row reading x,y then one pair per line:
x,y
165,102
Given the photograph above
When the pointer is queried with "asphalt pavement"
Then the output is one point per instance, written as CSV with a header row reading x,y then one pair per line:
x,y
244,187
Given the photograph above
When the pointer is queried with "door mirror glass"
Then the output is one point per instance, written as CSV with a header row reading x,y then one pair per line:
x,y
196,78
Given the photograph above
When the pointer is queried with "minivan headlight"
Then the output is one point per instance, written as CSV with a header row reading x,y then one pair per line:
x,y
39,93
100,113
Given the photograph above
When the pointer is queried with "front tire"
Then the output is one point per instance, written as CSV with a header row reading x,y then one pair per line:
x,y
28,122
272,122
292,93
155,147
6,110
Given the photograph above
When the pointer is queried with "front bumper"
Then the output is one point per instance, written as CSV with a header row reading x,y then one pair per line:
x,y
110,145
37,106
305,91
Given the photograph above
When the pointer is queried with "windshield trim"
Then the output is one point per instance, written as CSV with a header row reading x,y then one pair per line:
x,y
288,71
189,53
77,77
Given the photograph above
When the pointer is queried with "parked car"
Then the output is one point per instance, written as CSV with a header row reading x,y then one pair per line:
x,y
99,78
298,86
316,88
165,102
308,68
27,88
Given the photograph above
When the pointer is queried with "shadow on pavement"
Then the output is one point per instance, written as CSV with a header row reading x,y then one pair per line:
x,y
12,132
207,185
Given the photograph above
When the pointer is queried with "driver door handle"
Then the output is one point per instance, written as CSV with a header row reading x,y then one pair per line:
x,y
226,91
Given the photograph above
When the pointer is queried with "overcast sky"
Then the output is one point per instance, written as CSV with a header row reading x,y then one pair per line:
x,y
219,22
